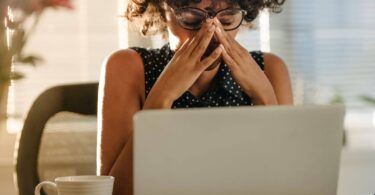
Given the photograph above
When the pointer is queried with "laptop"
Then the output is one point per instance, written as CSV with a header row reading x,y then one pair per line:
x,y
285,150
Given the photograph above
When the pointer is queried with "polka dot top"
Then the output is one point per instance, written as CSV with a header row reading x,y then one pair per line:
x,y
226,91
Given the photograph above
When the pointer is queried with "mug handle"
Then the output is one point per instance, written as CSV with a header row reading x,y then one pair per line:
x,y
39,186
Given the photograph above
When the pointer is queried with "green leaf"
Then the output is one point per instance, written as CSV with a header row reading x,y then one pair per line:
x,y
367,99
18,41
337,99
16,75
29,60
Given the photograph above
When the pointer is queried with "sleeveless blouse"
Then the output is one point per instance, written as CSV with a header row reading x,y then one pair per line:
x,y
225,93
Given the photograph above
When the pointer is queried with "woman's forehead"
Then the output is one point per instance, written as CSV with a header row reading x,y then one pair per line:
x,y
212,4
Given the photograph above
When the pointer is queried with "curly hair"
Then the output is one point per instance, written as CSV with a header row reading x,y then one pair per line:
x,y
149,15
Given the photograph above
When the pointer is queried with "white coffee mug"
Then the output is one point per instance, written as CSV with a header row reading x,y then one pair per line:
x,y
80,185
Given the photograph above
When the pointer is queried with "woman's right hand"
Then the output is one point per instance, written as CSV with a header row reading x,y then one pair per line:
x,y
184,69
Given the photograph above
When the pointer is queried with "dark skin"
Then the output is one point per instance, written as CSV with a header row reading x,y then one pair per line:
x,y
122,87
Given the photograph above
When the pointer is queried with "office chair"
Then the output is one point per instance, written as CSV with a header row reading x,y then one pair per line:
x,y
76,98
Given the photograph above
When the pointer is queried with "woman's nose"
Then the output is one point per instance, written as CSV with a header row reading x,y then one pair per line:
x,y
209,20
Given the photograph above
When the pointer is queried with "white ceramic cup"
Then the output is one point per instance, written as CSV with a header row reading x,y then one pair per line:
x,y
80,185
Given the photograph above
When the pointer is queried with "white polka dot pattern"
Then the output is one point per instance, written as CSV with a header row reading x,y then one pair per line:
x,y
226,92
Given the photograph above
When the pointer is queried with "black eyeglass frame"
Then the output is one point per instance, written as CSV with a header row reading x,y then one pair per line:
x,y
210,14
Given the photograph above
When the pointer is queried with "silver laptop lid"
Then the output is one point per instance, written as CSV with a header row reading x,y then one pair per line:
x,y
241,151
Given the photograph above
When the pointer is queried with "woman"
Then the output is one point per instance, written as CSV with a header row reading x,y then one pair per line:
x,y
201,66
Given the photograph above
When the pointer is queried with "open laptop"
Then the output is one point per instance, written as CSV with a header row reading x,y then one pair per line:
x,y
238,151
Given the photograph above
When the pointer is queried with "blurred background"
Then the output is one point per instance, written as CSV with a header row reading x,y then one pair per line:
x,y
329,47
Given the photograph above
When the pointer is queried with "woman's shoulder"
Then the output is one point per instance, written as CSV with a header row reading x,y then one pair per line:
x,y
125,60
132,55
277,72
273,63
152,55
123,70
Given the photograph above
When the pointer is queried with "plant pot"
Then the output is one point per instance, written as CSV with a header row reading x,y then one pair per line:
x,y
5,67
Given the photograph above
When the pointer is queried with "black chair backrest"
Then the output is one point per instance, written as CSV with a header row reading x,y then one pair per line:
x,y
77,98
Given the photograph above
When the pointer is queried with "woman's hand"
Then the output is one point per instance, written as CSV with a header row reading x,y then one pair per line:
x,y
244,69
184,69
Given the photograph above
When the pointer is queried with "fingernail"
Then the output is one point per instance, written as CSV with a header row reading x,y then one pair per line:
x,y
217,29
222,47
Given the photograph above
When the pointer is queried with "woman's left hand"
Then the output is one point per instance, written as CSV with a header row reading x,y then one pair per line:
x,y
245,70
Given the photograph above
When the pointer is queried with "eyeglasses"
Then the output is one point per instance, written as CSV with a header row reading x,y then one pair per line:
x,y
192,18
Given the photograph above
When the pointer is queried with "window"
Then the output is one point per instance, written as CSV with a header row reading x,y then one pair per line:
x,y
73,45
329,47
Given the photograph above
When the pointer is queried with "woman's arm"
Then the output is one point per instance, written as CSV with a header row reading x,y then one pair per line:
x,y
122,95
277,73
121,92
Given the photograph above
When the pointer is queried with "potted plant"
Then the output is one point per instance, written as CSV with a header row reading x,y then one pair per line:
x,y
18,19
